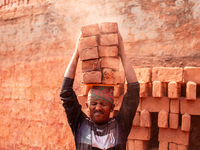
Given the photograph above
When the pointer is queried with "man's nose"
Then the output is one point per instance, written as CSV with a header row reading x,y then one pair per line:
x,y
98,107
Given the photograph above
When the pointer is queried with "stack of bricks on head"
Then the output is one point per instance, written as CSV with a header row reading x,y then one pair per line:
x,y
98,51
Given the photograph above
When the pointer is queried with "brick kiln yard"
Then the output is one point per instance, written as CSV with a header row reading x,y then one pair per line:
x,y
161,38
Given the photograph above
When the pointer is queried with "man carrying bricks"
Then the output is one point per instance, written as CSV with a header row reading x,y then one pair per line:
x,y
98,131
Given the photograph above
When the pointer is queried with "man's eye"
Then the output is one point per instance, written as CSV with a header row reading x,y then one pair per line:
x,y
93,103
103,104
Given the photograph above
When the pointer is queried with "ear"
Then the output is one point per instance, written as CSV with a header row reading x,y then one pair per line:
x,y
87,106
112,107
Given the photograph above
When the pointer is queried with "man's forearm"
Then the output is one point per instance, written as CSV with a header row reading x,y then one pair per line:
x,y
71,69
128,69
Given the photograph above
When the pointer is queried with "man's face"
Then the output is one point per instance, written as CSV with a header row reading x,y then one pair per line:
x,y
99,111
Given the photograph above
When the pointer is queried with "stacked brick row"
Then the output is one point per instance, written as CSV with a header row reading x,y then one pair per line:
x,y
160,92
98,51
192,80
4,4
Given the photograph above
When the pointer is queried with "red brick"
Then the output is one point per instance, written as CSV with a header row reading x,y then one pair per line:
x,y
163,145
8,16
117,77
87,42
149,89
32,1
92,77
139,108
90,65
109,39
140,133
90,30
167,74
164,89
85,111
112,63
145,118
109,27
186,105
82,100
173,120
108,51
141,145
163,116
173,146
192,74
111,77
107,76
118,90
186,122
143,74
136,120
157,89
182,147
143,89
21,2
25,1
174,106
173,90
88,53
191,90
171,135
155,104
130,145
85,89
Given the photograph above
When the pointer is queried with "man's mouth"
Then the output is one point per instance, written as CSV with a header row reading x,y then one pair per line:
x,y
98,112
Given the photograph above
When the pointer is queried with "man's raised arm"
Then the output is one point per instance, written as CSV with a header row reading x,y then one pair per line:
x,y
128,69
131,98
71,68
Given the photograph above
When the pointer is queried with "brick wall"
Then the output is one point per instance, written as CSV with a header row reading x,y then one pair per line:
x,y
37,42
6,4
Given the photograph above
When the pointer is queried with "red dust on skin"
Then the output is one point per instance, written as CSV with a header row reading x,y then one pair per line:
x,y
99,111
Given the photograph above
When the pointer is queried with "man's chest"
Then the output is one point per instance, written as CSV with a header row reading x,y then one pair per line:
x,y
100,137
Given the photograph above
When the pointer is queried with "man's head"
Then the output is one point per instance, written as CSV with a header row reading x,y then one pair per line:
x,y
100,103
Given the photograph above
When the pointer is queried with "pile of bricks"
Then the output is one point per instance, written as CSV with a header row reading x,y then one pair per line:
x,y
98,51
163,96
5,4
161,92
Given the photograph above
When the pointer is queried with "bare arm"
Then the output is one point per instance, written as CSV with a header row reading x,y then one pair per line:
x,y
71,68
128,69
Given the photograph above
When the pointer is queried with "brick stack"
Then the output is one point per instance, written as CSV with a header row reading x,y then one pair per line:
x,y
161,93
98,50
192,80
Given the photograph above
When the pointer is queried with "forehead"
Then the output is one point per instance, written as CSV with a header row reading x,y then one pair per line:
x,y
100,101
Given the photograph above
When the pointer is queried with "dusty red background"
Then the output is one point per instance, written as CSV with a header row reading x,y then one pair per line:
x,y
37,41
